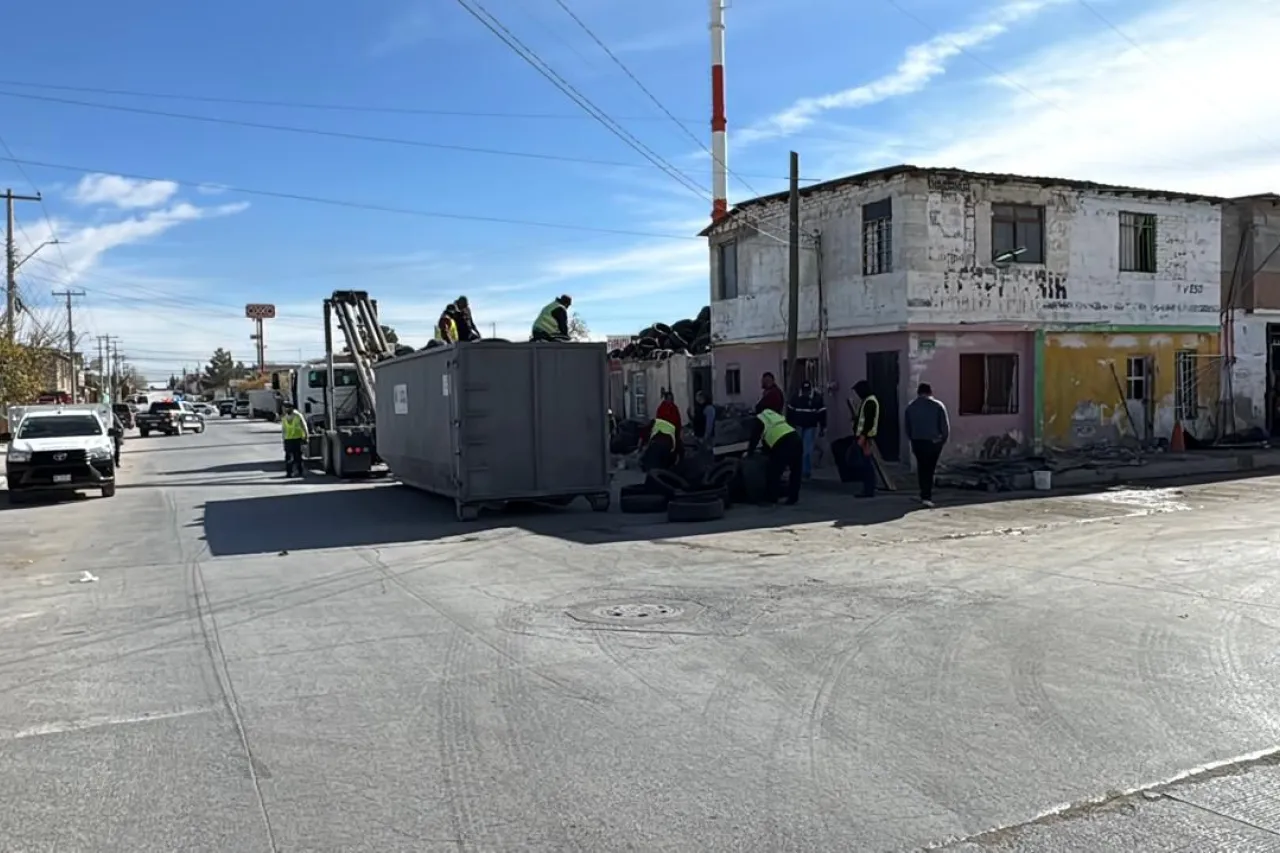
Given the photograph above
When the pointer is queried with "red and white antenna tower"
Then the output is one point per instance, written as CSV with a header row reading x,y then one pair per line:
x,y
719,145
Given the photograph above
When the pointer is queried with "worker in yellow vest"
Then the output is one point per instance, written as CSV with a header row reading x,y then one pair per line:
x,y
447,326
552,323
662,448
866,423
294,428
785,452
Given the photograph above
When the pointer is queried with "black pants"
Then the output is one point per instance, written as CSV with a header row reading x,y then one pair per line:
x,y
539,335
787,454
119,444
293,456
926,453
659,454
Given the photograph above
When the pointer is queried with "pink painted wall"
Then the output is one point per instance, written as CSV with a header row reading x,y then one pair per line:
x,y
939,365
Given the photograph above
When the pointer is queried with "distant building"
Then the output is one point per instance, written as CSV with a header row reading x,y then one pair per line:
x,y
1044,311
1251,309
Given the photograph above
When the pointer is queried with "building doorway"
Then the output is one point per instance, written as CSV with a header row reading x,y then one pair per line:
x,y
1273,379
883,375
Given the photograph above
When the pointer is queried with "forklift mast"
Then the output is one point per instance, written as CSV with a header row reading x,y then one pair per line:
x,y
357,317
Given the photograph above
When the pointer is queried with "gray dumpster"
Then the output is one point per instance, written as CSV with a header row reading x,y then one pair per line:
x,y
489,422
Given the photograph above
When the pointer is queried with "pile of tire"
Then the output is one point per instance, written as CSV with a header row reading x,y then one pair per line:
x,y
660,341
705,498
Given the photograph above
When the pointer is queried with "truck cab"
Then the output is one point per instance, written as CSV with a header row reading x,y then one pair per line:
x,y
308,393
60,449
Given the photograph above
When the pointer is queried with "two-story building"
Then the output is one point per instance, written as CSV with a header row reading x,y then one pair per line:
x,y
1043,311
1251,308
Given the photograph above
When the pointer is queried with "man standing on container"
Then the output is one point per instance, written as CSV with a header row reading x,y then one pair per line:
x,y
928,428
467,330
294,428
553,321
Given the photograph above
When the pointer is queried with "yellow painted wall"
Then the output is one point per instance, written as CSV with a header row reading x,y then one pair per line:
x,y
1081,399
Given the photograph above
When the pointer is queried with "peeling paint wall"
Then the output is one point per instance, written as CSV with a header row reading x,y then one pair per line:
x,y
1083,398
952,279
853,302
935,358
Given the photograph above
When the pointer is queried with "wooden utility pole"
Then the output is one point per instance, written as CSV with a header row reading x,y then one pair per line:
x,y
71,338
11,262
793,281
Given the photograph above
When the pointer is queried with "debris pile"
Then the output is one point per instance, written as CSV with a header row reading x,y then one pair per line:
x,y
659,341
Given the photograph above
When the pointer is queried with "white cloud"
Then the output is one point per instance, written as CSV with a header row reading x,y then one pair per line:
x,y
1179,112
919,66
124,193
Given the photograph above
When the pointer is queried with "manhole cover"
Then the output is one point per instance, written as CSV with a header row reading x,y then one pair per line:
x,y
635,613
645,611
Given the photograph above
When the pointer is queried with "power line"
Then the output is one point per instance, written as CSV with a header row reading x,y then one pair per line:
x,y
355,205
305,105
338,134
648,93
495,26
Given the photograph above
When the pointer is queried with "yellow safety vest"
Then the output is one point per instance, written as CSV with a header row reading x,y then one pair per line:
x,y
546,322
775,427
450,324
858,428
661,427
294,426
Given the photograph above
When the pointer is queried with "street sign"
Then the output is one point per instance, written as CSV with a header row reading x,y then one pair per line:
x,y
258,311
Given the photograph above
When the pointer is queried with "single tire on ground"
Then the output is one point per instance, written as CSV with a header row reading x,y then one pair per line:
x,y
720,475
643,502
695,508
666,481
109,490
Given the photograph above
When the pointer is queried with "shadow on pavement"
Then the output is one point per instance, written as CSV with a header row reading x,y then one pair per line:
x,y
234,468
387,514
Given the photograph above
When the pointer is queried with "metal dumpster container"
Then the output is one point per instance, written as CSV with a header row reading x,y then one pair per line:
x,y
489,422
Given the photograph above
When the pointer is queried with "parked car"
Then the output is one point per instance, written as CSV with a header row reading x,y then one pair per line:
x,y
241,409
126,413
204,410
192,420
226,407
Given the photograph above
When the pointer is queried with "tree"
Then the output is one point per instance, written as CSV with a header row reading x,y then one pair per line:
x,y
174,382
220,370
390,333
578,330
21,374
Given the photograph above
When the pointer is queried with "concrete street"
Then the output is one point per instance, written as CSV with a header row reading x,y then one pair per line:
x,y
256,664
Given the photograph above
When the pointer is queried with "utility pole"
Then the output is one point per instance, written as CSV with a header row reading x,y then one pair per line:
x,y
11,262
793,281
71,338
111,366
104,395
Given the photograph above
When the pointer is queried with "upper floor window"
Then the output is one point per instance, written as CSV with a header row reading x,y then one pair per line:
x,y
877,237
727,270
1017,234
1137,242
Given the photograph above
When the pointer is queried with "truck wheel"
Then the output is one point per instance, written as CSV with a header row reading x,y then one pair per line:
x,y
599,503
144,433
109,490
16,498
467,512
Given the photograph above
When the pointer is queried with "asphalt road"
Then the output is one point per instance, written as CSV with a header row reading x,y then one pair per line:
x,y
218,659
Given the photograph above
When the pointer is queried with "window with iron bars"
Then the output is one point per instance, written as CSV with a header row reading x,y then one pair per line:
x,y
877,237
1137,242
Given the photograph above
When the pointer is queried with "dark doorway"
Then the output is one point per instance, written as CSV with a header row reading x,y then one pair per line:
x,y
882,374
700,379
1273,379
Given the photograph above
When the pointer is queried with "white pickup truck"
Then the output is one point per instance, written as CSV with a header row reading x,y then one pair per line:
x,y
60,448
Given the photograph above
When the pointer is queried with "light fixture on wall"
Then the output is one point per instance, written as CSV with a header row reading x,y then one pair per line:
x,y
1005,258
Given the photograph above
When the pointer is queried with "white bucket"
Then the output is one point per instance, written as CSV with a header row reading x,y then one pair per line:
x,y
1043,480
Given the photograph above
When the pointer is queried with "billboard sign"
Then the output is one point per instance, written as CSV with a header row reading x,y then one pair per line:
x,y
259,311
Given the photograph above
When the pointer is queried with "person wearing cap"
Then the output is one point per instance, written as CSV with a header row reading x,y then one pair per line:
x,y
467,330
807,412
552,323
294,428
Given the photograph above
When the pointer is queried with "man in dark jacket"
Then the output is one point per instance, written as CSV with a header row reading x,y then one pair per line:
x,y
928,428
807,412
467,330
771,396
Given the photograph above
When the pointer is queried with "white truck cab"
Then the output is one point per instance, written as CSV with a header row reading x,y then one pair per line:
x,y
60,448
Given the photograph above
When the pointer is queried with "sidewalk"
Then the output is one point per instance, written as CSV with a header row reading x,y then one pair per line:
x,y
1015,475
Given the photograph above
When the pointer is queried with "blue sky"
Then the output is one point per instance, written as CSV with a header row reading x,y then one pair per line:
x,y
1132,91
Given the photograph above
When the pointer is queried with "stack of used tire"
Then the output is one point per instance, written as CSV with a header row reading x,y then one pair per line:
x,y
703,496
659,341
